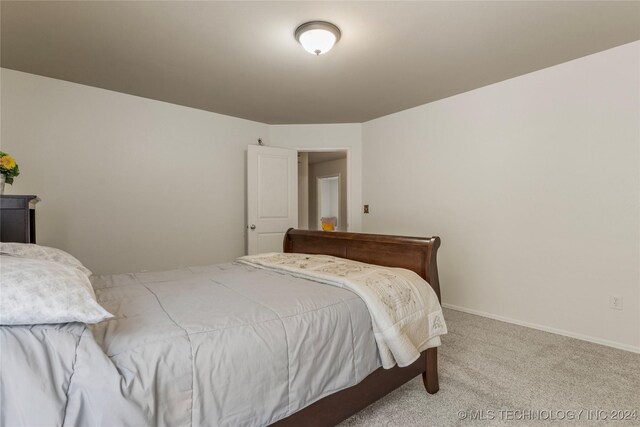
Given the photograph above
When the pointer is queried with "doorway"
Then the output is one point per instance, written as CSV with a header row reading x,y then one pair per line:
x,y
328,202
322,190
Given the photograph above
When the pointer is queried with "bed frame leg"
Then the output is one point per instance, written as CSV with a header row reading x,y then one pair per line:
x,y
430,376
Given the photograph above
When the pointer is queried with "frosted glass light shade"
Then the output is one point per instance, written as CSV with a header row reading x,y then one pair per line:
x,y
317,37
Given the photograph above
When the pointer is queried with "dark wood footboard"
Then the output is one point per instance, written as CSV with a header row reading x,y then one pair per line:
x,y
430,375
413,253
339,406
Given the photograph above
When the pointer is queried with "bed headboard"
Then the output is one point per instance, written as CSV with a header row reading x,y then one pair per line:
x,y
413,253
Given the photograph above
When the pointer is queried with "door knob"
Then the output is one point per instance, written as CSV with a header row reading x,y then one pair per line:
x,y
253,226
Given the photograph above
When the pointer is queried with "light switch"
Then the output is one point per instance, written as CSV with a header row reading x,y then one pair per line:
x,y
366,208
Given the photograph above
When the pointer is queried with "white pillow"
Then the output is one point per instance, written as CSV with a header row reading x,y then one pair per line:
x,y
29,250
35,291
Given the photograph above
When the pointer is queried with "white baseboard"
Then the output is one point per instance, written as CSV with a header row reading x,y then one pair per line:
x,y
600,341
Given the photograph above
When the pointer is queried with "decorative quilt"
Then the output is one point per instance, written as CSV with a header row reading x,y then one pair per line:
x,y
406,315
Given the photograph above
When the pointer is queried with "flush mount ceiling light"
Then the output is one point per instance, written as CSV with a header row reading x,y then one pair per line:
x,y
317,37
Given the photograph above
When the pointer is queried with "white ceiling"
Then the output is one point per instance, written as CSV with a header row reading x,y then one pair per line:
x,y
241,59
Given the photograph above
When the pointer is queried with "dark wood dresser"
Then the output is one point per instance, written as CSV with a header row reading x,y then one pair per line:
x,y
18,218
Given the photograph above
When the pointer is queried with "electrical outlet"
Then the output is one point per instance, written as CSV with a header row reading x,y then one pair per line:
x,y
366,208
615,302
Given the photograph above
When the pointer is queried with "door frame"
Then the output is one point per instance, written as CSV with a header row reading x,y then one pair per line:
x,y
348,151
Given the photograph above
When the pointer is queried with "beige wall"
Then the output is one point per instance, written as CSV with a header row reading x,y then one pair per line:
x,y
323,169
131,184
127,183
534,186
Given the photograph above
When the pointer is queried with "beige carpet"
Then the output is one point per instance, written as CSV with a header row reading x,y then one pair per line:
x,y
508,375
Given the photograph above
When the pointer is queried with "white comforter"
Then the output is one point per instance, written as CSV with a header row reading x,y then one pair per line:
x,y
405,312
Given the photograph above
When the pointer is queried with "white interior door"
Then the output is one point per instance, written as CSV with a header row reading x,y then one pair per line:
x,y
272,197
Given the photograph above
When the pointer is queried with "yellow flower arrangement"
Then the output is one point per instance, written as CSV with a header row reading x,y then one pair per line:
x,y
8,167
7,162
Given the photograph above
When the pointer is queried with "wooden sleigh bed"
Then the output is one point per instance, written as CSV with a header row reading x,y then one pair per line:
x,y
413,253
149,334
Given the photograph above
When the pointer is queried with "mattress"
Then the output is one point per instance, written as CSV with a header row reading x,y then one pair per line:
x,y
228,345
